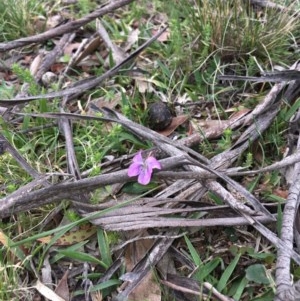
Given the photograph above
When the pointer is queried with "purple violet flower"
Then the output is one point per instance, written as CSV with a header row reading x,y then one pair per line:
x,y
143,168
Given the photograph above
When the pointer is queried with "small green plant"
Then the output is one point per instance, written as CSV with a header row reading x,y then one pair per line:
x,y
86,6
249,160
11,175
71,215
226,140
25,76
6,91
18,18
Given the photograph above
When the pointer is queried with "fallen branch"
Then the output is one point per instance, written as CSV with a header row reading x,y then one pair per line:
x,y
66,28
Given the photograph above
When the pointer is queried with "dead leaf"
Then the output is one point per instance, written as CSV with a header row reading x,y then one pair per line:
x,y
215,128
143,85
104,101
39,23
53,21
71,237
210,128
47,292
117,53
87,63
183,99
238,115
57,67
4,239
96,296
35,65
11,254
26,60
133,37
148,289
176,122
47,272
90,48
62,288
164,37
71,49
281,193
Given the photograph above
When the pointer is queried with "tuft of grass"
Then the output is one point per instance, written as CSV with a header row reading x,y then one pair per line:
x,y
235,29
10,283
19,18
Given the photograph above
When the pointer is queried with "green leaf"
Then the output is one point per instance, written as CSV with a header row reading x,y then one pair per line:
x,y
257,274
80,256
216,199
292,110
7,242
267,257
104,249
206,270
228,272
195,256
239,288
136,188
100,287
57,257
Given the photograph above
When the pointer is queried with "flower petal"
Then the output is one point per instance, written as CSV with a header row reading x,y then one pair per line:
x,y
152,163
134,169
138,158
145,175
